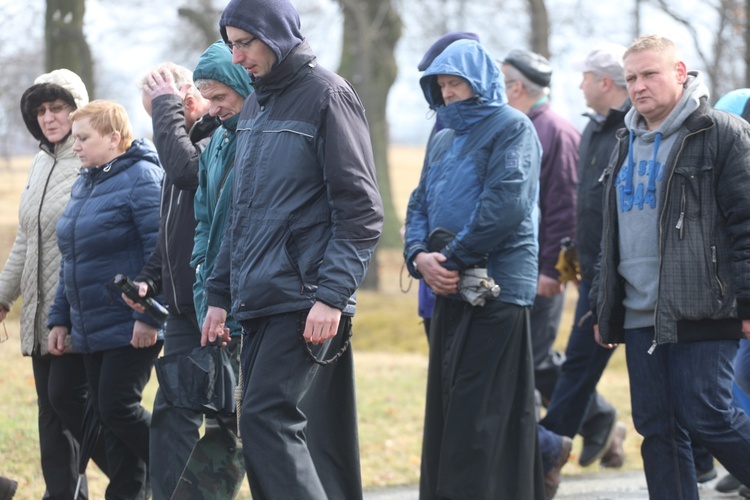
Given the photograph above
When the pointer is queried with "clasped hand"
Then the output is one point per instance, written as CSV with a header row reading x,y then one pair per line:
x,y
442,281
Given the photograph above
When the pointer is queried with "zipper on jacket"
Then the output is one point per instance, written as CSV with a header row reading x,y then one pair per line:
x,y
39,240
604,271
681,221
168,253
661,231
74,268
715,264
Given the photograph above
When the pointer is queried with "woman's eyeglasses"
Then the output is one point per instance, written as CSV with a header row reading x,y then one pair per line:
x,y
53,108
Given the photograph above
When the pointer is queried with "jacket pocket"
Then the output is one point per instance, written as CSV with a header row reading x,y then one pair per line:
x,y
266,274
692,193
306,247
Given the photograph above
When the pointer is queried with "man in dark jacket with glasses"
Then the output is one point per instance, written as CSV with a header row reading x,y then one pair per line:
x,y
306,216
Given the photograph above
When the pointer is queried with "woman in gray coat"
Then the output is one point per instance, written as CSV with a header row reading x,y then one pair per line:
x,y
31,271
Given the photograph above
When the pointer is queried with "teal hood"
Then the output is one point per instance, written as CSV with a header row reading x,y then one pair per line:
x,y
470,61
216,64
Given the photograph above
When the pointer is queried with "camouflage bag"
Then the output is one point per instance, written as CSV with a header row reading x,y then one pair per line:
x,y
216,467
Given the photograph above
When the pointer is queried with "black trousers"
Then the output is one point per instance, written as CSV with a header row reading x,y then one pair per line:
x,y
61,390
299,420
480,437
117,378
174,431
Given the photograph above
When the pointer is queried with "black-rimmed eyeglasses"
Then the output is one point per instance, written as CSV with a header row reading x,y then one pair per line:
x,y
240,45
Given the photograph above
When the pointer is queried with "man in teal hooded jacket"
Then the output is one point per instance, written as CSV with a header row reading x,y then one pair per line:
x,y
226,86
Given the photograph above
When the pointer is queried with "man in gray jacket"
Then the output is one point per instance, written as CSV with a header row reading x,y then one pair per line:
x,y
305,218
674,272
575,406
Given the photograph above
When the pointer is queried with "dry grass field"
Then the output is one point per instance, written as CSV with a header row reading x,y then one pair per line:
x,y
390,355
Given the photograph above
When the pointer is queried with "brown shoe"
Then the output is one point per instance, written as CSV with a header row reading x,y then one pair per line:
x,y
615,455
552,478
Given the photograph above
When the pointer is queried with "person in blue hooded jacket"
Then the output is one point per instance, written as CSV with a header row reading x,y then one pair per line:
x,y
480,182
110,227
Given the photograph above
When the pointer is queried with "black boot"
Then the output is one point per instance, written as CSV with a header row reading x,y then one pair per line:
x,y
7,488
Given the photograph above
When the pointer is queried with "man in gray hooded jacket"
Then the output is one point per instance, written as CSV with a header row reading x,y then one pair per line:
x,y
674,271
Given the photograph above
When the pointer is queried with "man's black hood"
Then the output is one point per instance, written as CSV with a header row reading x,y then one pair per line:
x,y
274,22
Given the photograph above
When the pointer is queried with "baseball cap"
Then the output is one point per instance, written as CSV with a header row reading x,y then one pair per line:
x,y
606,60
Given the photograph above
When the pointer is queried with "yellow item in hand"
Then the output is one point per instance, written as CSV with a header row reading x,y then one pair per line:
x,y
567,262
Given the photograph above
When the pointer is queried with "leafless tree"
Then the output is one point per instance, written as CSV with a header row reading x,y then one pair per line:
x,y
372,28
539,32
21,62
65,43
718,34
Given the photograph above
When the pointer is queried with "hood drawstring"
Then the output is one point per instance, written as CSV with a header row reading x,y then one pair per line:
x,y
627,199
651,189
626,195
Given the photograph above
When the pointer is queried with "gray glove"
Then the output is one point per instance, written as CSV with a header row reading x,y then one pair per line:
x,y
475,285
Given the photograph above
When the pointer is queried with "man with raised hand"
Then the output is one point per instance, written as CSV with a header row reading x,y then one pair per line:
x,y
180,132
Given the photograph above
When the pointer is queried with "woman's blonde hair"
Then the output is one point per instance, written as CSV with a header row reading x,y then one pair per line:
x,y
106,117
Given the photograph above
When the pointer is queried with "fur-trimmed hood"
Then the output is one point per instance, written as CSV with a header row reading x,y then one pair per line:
x,y
58,84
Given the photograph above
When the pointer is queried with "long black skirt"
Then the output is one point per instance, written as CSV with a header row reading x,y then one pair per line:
x,y
480,437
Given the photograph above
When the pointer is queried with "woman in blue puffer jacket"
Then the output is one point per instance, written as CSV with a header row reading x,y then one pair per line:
x,y
110,227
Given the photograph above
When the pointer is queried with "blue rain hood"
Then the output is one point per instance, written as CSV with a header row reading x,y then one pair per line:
x,y
735,102
470,61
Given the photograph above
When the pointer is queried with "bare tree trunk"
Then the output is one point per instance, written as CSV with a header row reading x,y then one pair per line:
x,y
65,44
747,43
204,17
637,19
372,29
539,27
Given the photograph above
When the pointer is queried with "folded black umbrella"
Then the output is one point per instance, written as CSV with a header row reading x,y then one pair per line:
x,y
90,431
202,381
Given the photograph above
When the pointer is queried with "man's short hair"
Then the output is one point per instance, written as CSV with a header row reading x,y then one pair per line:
x,y
180,74
206,82
651,42
605,60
